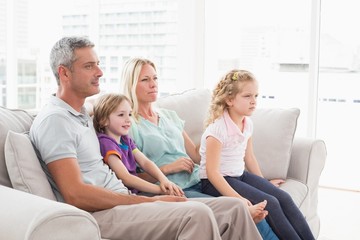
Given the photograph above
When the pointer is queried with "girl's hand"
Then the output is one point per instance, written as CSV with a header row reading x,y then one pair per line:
x,y
277,182
170,188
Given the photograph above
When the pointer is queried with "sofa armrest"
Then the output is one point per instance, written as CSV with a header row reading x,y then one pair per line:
x,y
306,164
307,160
26,216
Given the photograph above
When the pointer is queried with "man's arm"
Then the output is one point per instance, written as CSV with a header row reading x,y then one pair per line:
x,y
67,175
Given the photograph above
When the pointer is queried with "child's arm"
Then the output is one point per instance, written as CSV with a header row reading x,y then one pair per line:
x,y
148,166
213,149
252,164
179,165
130,180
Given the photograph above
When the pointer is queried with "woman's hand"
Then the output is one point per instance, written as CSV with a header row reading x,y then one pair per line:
x,y
170,188
181,164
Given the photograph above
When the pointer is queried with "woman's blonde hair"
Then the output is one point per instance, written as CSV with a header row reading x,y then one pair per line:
x,y
104,106
129,78
227,88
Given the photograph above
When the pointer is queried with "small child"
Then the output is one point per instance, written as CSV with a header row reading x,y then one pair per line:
x,y
112,114
227,149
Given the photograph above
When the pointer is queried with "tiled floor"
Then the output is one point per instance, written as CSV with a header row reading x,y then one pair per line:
x,y
339,212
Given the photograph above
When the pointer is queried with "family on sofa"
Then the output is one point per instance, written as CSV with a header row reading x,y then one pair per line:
x,y
78,176
76,171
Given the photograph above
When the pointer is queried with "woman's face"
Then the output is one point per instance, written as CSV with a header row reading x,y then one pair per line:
x,y
147,85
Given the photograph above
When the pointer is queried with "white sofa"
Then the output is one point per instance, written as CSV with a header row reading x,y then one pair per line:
x,y
27,216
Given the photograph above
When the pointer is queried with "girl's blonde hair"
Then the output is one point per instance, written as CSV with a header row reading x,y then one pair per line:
x,y
129,78
104,106
227,88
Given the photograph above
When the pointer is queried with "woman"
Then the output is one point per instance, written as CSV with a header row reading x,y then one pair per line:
x,y
171,150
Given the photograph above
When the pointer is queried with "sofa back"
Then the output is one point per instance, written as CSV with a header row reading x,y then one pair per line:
x,y
274,129
191,106
18,121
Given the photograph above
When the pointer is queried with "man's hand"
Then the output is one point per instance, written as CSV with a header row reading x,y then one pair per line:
x,y
168,198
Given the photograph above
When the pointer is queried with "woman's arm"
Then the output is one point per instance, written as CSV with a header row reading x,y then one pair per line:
x,y
148,166
191,149
130,180
213,149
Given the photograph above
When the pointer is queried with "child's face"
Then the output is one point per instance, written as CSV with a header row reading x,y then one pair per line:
x,y
244,102
119,122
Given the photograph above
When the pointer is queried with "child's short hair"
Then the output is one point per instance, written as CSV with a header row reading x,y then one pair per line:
x,y
104,106
227,88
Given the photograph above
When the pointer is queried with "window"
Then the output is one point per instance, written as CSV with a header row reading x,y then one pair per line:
x,y
120,29
339,84
269,41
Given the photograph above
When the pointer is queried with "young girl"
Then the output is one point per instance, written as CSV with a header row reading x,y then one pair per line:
x,y
226,149
112,115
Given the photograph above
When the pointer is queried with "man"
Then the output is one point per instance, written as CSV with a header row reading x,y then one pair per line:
x,y
66,143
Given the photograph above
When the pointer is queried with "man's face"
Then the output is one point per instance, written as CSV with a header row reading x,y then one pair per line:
x,y
85,73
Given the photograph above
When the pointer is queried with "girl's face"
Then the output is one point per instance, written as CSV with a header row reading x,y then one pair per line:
x,y
118,123
244,102
147,85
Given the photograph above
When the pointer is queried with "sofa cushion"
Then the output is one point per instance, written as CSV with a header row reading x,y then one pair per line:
x,y
192,106
17,121
24,167
274,131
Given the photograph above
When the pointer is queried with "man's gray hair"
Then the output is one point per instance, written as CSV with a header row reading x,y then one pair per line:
x,y
63,53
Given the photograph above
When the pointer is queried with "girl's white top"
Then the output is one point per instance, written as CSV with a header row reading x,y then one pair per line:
x,y
233,143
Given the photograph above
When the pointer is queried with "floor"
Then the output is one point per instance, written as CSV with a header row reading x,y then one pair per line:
x,y
339,212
